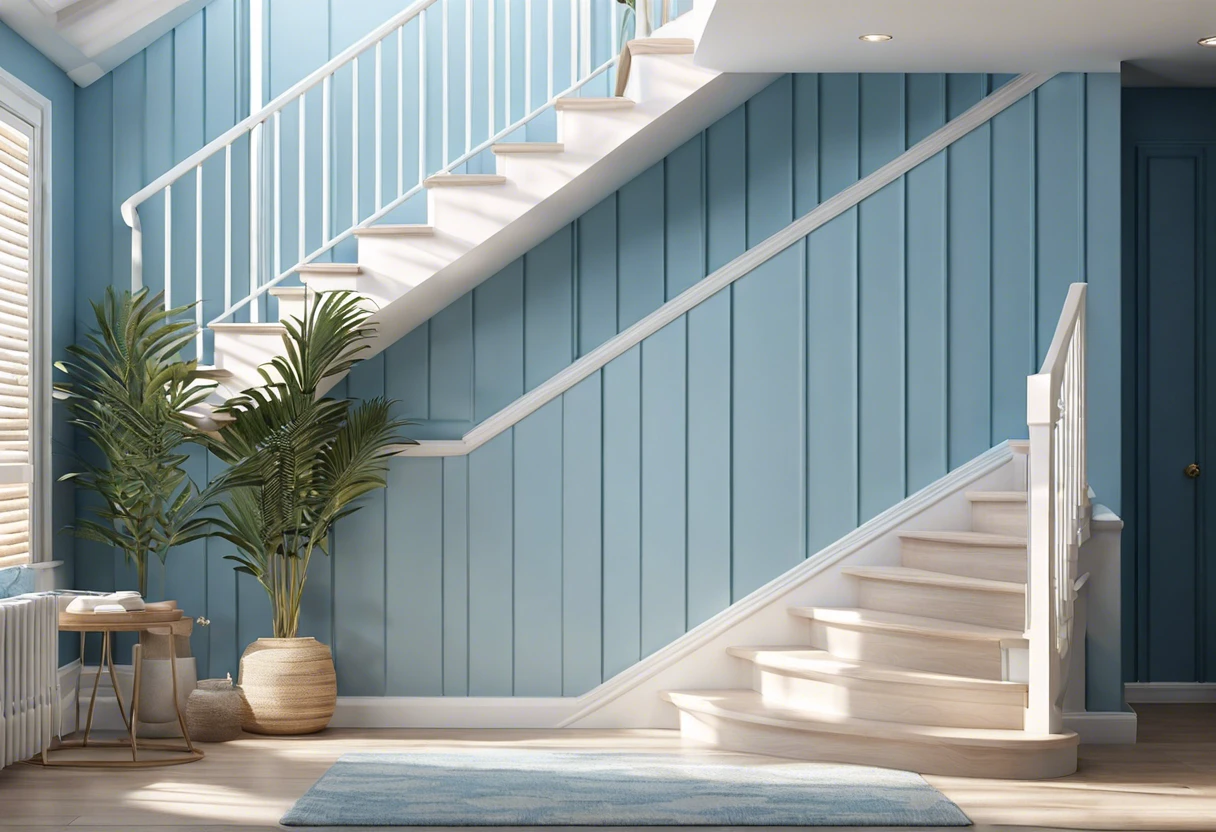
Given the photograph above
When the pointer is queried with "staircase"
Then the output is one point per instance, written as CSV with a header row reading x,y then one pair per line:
x,y
916,676
477,223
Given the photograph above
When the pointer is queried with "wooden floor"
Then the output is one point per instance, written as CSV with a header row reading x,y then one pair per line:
x,y
1167,781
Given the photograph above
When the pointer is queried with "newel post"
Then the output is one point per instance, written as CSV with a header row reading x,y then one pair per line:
x,y
1042,715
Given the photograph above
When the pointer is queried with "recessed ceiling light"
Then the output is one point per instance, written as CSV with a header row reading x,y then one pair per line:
x,y
875,38
1208,41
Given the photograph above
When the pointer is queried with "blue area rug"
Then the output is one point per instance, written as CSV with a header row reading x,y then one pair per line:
x,y
525,787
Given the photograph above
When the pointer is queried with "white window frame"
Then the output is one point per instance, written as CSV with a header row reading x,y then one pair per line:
x,y
34,109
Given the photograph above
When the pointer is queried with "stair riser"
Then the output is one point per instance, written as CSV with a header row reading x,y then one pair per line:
x,y
999,518
476,214
664,77
924,757
545,171
293,307
1002,610
598,131
913,704
997,564
980,659
407,261
243,353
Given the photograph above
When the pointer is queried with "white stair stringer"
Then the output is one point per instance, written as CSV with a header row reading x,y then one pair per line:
x,y
919,674
479,224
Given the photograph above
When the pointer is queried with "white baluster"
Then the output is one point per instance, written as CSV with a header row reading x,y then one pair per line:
x,y
277,259
574,38
468,76
255,224
378,188
422,84
549,49
527,56
354,142
168,247
302,184
444,119
198,262
401,111
228,227
490,43
508,69
326,95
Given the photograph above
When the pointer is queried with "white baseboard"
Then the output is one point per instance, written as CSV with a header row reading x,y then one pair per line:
x,y
452,711
1180,692
1103,727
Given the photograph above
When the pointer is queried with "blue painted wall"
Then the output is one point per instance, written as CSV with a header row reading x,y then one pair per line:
x,y
1169,560
24,62
889,347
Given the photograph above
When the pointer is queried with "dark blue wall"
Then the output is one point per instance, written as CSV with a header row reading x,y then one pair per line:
x,y
1169,548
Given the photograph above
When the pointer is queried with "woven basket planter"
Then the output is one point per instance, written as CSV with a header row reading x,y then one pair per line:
x,y
214,711
289,684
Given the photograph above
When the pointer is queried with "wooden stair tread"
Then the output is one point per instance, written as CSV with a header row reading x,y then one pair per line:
x,y
395,231
750,706
996,496
573,103
895,622
213,373
662,46
803,661
237,328
1002,541
515,148
921,577
330,269
463,180
292,292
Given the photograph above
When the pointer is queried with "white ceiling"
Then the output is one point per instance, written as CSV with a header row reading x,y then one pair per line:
x,y
88,38
1154,41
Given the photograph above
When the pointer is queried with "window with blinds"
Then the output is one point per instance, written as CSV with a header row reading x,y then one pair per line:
x,y
16,245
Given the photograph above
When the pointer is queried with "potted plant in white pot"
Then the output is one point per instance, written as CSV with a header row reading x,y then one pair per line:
x,y
298,463
128,391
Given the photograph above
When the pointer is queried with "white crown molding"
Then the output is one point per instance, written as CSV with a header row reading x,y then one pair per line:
x,y
89,38
529,403
1152,692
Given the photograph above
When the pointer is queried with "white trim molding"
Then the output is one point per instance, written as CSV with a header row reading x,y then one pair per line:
x,y
453,711
1176,692
757,255
1103,727
35,110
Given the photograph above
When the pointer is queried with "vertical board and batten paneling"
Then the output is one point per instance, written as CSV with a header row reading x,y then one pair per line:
x,y
854,368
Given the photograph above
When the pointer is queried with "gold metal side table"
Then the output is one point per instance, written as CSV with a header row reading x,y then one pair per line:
x,y
155,622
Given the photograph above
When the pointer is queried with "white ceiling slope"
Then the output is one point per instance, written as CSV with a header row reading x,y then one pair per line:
x,y
88,38
1153,41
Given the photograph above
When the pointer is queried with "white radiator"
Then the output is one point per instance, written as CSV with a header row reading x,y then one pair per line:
x,y
29,664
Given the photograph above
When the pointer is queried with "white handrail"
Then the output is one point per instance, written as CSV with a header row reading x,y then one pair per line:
x,y
267,210
1058,510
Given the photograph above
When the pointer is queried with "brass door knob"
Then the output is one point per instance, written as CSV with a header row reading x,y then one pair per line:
x,y
1191,471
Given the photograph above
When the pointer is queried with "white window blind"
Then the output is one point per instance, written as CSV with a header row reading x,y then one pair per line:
x,y
16,245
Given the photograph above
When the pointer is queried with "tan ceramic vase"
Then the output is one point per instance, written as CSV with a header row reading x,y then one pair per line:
x,y
289,684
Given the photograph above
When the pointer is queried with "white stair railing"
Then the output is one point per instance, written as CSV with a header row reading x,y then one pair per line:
x,y
1058,510
396,51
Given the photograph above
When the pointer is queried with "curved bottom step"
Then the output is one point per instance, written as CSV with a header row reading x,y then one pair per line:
x,y
743,721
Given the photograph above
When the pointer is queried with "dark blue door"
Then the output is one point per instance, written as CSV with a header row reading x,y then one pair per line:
x,y
1175,460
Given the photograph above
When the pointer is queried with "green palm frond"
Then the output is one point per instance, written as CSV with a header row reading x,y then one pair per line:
x,y
299,462
127,390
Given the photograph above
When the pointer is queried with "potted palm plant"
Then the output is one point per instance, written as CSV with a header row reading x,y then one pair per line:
x,y
128,392
299,462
